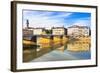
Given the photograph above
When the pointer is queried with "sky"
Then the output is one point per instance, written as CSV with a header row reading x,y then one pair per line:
x,y
49,19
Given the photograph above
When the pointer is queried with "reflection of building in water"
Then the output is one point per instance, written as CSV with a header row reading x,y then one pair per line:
x,y
62,48
78,46
30,53
59,31
78,31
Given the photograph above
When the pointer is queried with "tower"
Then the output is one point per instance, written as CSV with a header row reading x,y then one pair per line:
x,y
27,23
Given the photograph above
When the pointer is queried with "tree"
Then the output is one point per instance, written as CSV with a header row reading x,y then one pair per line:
x,y
48,31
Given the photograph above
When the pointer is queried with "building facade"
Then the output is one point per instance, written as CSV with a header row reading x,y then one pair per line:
x,y
38,31
27,32
34,31
59,31
78,31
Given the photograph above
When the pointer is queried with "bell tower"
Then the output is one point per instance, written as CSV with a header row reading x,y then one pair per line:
x,y
27,23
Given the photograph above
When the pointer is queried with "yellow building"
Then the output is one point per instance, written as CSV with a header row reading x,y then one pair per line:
x,y
59,31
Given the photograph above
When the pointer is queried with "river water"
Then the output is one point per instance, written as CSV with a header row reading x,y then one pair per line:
x,y
57,52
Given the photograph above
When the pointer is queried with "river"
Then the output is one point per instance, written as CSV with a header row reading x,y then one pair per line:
x,y
57,52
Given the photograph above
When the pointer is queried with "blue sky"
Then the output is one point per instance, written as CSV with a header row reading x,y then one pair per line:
x,y
50,19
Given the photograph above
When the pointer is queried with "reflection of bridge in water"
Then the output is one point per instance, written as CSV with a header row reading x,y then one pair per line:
x,y
33,53
37,51
36,38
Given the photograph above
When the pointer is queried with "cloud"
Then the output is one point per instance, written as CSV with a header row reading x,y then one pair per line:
x,y
55,19
83,23
45,19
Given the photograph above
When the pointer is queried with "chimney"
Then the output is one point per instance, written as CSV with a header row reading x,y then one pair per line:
x,y
27,23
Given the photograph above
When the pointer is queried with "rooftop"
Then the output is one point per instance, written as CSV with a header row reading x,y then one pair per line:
x,y
58,27
77,26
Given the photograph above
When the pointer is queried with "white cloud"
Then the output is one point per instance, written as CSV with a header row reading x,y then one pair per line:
x,y
48,19
82,23
62,15
44,19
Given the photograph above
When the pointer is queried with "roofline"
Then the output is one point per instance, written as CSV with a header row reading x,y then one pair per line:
x,y
76,26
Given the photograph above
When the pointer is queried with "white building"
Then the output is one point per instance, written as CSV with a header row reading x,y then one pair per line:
x,y
33,31
38,31
78,31
59,31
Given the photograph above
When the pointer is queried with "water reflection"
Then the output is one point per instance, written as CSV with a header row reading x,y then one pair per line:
x,y
57,52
